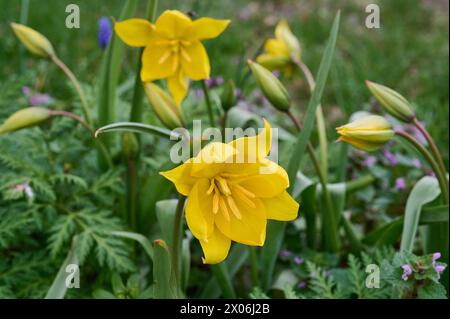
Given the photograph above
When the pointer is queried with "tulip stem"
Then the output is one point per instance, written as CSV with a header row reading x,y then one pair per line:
x,y
330,225
254,266
80,120
323,144
176,241
208,103
434,165
77,86
224,125
434,149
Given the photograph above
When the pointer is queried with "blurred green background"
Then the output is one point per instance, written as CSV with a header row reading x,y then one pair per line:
x,y
408,53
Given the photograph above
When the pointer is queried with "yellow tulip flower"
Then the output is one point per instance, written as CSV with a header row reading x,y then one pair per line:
x,y
368,133
281,50
173,48
232,189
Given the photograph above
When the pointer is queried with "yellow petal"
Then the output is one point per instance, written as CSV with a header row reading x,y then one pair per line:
x,y
250,229
181,177
251,149
134,32
195,61
282,207
273,62
363,145
173,24
216,248
284,33
276,47
199,215
270,184
157,62
178,85
208,28
213,159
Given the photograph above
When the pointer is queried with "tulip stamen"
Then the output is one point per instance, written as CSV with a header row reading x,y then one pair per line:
x,y
216,198
223,186
244,198
243,190
234,208
185,55
164,57
223,208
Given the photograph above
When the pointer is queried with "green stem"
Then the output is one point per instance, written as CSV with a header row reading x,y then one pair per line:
x,y
77,86
208,103
100,145
220,271
224,125
254,266
434,165
132,193
24,9
434,149
320,119
357,184
331,237
176,242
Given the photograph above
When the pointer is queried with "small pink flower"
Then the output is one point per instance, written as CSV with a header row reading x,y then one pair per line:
x,y
407,271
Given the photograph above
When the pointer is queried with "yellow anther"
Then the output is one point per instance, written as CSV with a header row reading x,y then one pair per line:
x,y
233,207
164,57
211,187
243,190
185,55
223,208
223,186
244,198
215,202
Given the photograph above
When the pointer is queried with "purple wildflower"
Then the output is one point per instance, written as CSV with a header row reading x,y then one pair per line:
x,y
436,256
390,157
104,32
36,99
439,269
370,161
400,184
407,271
298,260
416,163
284,253
214,81
302,285
198,94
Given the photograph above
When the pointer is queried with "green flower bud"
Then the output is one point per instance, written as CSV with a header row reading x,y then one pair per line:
x,y
392,102
271,87
25,118
164,106
130,145
34,41
228,96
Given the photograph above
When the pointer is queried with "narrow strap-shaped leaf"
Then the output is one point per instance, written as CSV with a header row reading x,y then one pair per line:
x,y
145,243
138,128
223,278
164,286
58,288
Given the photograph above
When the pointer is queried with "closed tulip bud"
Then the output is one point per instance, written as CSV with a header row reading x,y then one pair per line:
x,y
394,103
271,87
228,96
284,33
25,118
34,41
273,62
130,145
164,106
368,133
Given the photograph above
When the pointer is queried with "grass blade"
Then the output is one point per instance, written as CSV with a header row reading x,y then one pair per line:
x,y
145,243
138,128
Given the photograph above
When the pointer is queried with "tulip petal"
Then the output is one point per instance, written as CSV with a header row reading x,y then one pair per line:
x,y
276,47
250,229
251,149
271,181
282,207
208,28
195,61
199,215
173,24
134,32
178,85
181,177
363,145
216,248
156,64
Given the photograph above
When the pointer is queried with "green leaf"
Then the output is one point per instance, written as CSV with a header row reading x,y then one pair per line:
x,y
309,119
103,294
432,290
308,200
58,288
164,287
165,213
145,243
138,128
269,253
426,190
223,278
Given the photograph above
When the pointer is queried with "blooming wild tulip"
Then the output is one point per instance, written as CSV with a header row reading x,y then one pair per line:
x,y
281,50
392,102
232,189
271,87
34,41
368,133
173,48
25,118
164,106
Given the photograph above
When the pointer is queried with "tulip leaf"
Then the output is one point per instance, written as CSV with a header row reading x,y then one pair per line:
x,y
426,190
269,253
138,128
59,287
142,240
223,278
165,213
314,102
164,285
308,200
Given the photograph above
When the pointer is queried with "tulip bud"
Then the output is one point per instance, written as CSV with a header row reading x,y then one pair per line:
x,y
33,41
283,32
130,145
394,103
271,87
164,106
228,96
25,118
273,62
368,133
